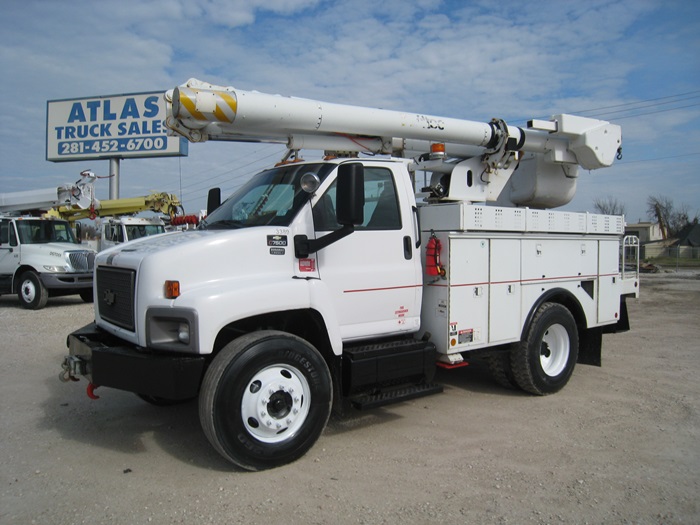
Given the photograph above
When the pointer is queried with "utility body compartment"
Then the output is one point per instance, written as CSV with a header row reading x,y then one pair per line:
x,y
499,264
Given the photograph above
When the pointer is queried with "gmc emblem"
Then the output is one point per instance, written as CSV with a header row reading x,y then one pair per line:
x,y
109,297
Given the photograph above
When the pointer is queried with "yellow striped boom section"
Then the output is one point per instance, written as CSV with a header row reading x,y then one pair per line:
x,y
208,106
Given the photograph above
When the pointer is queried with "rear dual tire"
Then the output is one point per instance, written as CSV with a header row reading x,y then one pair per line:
x,y
543,362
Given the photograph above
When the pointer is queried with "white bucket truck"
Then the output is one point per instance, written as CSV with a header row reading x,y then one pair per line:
x,y
41,256
118,230
327,282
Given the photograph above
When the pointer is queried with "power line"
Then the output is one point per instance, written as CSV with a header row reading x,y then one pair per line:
x,y
694,93
199,189
658,111
638,105
659,158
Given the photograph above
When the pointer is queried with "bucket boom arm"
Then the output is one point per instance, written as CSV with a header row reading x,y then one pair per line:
x,y
477,161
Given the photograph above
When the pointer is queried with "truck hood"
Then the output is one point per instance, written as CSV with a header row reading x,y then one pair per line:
x,y
179,255
51,254
130,254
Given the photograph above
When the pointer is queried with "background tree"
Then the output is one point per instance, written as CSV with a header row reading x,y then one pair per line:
x,y
671,218
608,206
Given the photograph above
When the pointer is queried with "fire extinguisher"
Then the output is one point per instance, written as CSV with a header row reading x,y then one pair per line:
x,y
433,266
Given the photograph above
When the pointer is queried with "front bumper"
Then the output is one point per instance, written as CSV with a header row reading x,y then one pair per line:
x,y
73,281
106,360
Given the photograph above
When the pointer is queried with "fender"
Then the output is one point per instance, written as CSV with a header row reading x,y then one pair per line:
x,y
561,296
219,304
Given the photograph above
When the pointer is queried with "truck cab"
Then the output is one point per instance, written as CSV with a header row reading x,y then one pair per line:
x,y
117,230
274,222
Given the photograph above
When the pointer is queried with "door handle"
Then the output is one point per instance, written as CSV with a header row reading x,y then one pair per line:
x,y
417,225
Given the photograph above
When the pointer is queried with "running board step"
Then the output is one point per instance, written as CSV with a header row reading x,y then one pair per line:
x,y
395,395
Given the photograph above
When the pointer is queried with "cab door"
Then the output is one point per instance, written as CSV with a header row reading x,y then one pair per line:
x,y
9,254
374,274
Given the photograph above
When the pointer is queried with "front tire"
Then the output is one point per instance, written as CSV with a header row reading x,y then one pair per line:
x,y
265,399
543,362
32,293
86,295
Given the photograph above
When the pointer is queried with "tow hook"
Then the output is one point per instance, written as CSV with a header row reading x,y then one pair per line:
x,y
91,391
70,367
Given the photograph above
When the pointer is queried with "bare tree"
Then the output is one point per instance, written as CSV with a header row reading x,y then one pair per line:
x,y
671,218
608,206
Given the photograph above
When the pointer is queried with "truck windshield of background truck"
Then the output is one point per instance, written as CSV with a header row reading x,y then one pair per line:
x,y
136,231
271,198
38,231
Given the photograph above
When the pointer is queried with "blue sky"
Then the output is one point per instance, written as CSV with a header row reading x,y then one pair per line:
x,y
632,62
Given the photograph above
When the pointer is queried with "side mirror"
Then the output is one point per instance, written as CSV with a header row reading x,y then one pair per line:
x,y
349,210
350,194
213,200
79,231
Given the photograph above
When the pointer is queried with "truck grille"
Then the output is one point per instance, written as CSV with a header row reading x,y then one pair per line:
x,y
115,296
82,261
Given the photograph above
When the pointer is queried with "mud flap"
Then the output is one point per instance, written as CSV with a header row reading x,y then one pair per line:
x,y
590,347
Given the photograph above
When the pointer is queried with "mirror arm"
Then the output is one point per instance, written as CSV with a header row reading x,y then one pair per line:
x,y
303,246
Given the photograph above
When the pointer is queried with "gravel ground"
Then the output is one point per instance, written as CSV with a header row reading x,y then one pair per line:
x,y
620,444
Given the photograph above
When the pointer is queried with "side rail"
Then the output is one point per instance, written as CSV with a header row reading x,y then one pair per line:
x,y
629,258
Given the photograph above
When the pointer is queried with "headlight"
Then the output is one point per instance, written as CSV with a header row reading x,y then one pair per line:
x,y
56,269
172,329
183,333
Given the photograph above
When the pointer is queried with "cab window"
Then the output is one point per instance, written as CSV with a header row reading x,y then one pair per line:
x,y
7,234
381,210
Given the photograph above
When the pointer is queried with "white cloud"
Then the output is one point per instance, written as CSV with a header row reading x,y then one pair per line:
x,y
509,59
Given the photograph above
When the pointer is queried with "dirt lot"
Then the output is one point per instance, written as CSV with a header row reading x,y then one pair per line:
x,y
620,444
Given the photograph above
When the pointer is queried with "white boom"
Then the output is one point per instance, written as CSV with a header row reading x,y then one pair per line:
x,y
484,155
80,195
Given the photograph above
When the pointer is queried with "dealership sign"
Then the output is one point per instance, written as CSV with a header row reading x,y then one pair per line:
x,y
114,126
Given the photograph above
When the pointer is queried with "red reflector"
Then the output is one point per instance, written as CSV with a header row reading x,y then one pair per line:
x,y
172,289
448,366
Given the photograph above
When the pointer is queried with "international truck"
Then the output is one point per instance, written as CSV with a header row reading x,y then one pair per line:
x,y
41,257
329,284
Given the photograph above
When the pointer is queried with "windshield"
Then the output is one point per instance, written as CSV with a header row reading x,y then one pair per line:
x,y
136,231
37,231
271,198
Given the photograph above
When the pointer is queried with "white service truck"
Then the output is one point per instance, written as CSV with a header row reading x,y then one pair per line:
x,y
326,283
118,230
41,256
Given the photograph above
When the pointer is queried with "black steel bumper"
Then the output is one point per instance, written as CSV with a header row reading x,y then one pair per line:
x,y
106,360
